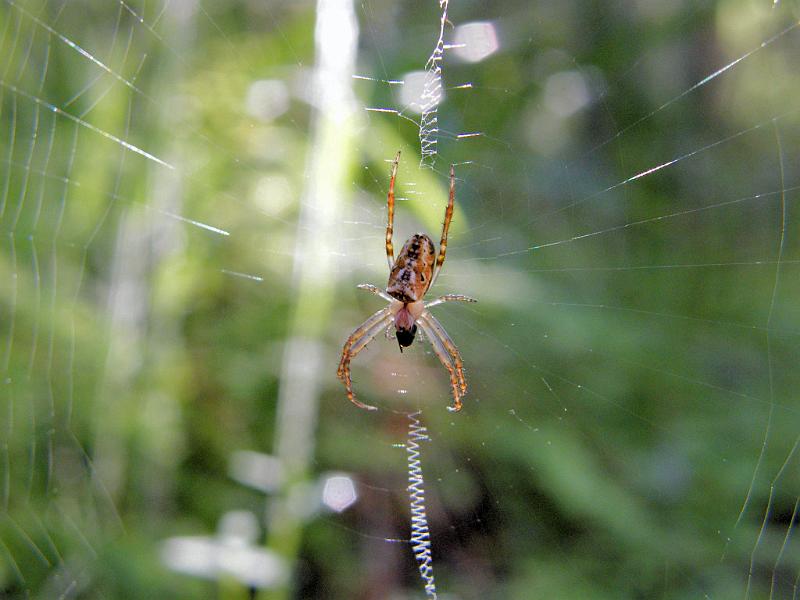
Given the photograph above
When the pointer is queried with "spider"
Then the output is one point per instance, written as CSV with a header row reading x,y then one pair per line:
x,y
410,277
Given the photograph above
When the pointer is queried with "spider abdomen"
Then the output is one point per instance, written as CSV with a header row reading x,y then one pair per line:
x,y
411,273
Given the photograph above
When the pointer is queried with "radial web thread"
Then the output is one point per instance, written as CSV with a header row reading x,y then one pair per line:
x,y
420,534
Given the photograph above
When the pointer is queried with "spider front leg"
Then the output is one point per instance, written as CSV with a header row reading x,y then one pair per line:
x,y
390,210
357,341
448,216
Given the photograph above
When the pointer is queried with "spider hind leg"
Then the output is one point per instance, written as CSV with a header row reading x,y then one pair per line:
x,y
451,362
357,341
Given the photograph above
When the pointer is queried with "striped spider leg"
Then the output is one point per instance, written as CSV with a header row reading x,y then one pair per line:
x,y
357,341
445,349
410,277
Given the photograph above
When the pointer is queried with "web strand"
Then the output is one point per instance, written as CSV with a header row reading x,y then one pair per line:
x,y
432,96
420,534
639,282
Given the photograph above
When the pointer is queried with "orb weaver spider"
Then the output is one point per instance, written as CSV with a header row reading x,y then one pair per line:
x,y
410,277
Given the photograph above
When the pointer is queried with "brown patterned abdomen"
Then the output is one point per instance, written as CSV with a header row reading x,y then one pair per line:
x,y
411,273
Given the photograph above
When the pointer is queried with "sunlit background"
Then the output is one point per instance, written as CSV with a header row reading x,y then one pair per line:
x,y
190,192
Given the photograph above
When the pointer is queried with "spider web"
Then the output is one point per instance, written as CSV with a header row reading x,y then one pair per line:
x,y
626,214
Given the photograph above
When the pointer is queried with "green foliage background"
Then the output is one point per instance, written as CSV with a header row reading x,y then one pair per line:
x,y
632,422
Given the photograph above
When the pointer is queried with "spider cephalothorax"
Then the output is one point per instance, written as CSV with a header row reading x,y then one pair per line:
x,y
410,277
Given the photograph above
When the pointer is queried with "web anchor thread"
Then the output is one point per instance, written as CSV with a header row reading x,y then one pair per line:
x,y
420,534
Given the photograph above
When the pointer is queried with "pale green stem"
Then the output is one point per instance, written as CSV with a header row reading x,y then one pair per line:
x,y
305,362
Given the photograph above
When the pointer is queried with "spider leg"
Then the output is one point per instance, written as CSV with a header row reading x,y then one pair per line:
x,y
448,216
446,359
375,290
390,209
439,330
357,341
449,298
